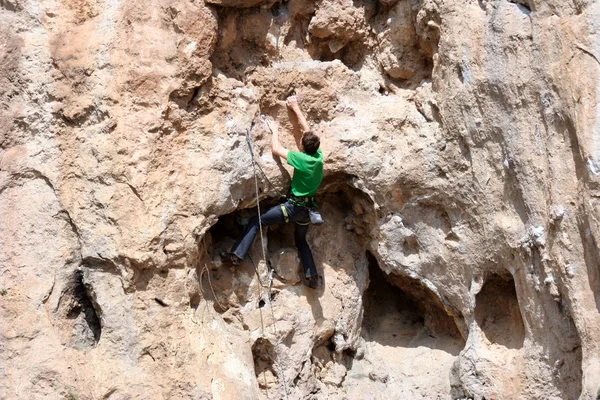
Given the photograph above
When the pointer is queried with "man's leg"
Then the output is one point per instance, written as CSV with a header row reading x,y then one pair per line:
x,y
305,254
243,243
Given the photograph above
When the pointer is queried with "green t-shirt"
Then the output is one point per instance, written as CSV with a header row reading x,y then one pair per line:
x,y
308,172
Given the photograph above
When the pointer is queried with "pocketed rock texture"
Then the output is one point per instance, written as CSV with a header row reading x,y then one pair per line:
x,y
461,197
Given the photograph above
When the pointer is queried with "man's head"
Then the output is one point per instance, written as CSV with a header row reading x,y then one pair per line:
x,y
310,142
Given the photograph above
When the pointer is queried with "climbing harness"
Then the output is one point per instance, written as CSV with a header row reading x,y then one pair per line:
x,y
262,245
285,213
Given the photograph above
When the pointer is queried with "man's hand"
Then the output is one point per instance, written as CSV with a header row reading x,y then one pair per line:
x,y
292,103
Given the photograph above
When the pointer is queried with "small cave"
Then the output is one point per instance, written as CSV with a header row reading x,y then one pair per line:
x,y
400,312
338,190
87,328
230,226
263,353
218,284
497,312
352,54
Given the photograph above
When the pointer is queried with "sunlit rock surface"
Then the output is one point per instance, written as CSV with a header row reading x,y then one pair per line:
x,y
459,254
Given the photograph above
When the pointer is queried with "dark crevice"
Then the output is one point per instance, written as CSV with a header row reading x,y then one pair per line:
x,y
135,192
278,8
84,306
160,302
588,52
195,94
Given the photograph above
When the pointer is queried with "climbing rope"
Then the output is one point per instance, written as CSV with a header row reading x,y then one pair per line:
x,y
262,245
262,242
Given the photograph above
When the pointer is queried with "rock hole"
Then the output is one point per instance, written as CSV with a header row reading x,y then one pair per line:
x,y
330,346
277,9
388,310
87,328
352,54
195,93
195,300
160,302
229,226
274,294
497,312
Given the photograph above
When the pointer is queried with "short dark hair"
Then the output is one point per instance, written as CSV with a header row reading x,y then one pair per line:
x,y
310,142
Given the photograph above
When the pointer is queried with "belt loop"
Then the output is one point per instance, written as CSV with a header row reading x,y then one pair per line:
x,y
285,214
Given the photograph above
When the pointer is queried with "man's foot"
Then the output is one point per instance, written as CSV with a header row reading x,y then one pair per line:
x,y
230,258
312,281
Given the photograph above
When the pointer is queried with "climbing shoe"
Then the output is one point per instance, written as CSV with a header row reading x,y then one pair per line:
x,y
230,258
312,281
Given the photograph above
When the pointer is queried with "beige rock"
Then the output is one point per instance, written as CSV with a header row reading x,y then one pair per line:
x,y
236,3
287,265
399,53
460,197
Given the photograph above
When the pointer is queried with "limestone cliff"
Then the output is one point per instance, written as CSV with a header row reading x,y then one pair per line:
x,y
461,199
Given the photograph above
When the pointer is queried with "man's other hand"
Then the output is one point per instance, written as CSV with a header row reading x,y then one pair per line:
x,y
273,125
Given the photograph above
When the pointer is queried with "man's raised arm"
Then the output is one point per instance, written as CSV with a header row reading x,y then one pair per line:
x,y
292,103
276,147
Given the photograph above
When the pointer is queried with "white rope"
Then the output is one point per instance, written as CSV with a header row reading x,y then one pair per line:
x,y
269,271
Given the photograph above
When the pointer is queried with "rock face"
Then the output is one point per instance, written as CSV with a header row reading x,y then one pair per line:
x,y
459,252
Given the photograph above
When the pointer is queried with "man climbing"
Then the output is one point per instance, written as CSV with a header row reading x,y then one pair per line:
x,y
308,174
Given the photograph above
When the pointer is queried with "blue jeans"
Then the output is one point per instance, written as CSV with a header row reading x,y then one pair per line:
x,y
275,216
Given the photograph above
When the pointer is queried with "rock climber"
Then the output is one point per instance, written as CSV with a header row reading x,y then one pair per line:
x,y
308,174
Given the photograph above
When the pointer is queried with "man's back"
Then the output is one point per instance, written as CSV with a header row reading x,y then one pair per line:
x,y
308,172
